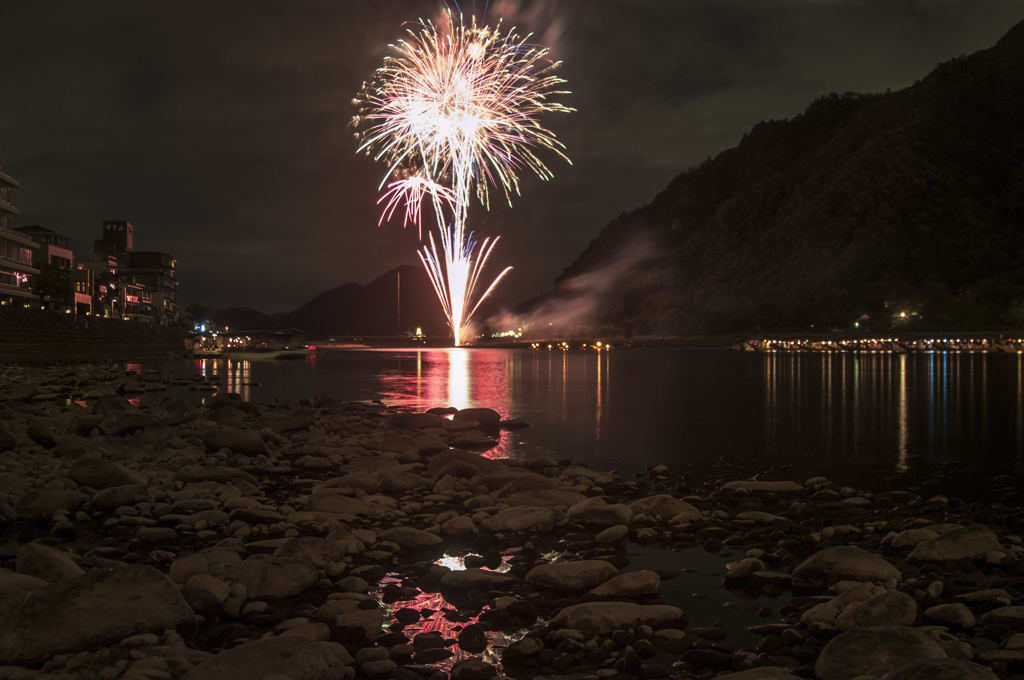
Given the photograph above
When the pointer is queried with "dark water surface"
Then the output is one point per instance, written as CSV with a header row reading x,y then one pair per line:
x,y
870,416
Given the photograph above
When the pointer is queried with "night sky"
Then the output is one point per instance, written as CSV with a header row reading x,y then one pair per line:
x,y
220,130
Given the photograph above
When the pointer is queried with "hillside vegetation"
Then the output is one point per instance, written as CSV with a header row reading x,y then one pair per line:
x,y
909,202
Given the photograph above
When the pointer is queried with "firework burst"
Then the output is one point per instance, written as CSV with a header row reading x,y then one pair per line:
x,y
455,112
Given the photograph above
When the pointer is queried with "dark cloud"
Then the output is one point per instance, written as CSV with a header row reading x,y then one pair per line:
x,y
220,129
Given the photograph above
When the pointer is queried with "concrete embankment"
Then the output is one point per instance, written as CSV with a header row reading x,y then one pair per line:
x,y
304,540
32,335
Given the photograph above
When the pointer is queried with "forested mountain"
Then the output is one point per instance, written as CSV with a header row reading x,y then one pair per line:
x,y
913,198
373,309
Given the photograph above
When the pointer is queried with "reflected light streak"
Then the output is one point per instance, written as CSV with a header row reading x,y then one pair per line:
x,y
458,378
904,426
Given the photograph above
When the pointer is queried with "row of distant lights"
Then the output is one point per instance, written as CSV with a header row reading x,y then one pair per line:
x,y
564,345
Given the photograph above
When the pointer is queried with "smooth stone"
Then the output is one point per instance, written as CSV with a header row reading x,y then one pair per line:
x,y
400,443
184,568
310,548
665,507
874,651
744,569
891,608
243,442
210,584
595,512
970,541
631,586
337,503
765,673
459,527
671,640
271,577
545,498
523,519
357,626
116,496
47,563
410,539
911,537
759,517
956,615
574,576
41,504
292,656
363,481
99,473
1012,616
612,534
767,487
487,417
941,669
604,618
822,612
90,611
842,563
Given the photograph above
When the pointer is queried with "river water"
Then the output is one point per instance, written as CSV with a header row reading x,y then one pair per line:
x,y
868,417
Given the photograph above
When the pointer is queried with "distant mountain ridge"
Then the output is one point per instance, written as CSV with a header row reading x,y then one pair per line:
x,y
354,309
913,198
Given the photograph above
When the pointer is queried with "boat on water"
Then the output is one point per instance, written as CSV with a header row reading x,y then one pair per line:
x,y
250,345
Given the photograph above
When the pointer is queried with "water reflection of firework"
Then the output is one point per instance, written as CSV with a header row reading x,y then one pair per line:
x,y
455,111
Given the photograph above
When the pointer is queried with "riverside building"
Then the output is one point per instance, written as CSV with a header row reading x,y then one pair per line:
x,y
153,271
55,261
17,253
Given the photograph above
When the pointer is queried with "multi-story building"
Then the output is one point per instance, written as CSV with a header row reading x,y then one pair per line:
x,y
54,260
153,270
17,253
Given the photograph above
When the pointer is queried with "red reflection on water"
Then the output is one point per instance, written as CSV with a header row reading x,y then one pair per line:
x,y
460,377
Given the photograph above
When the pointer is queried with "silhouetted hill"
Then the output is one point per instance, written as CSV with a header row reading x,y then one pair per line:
x,y
244,318
352,309
913,198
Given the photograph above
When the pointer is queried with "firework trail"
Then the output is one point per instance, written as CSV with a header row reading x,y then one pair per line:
x,y
454,112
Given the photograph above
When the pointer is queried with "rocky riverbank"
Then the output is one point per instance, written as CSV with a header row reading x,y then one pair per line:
x,y
327,540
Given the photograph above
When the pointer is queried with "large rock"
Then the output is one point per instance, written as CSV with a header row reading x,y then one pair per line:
x,y
604,618
47,563
488,418
523,519
294,657
971,541
956,615
410,539
891,608
941,669
102,474
41,504
874,651
545,498
273,577
312,549
595,513
1008,616
90,611
764,673
632,586
571,576
116,496
665,507
346,505
842,563
766,487
244,442
465,458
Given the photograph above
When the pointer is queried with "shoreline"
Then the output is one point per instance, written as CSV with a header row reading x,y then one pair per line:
x,y
307,538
